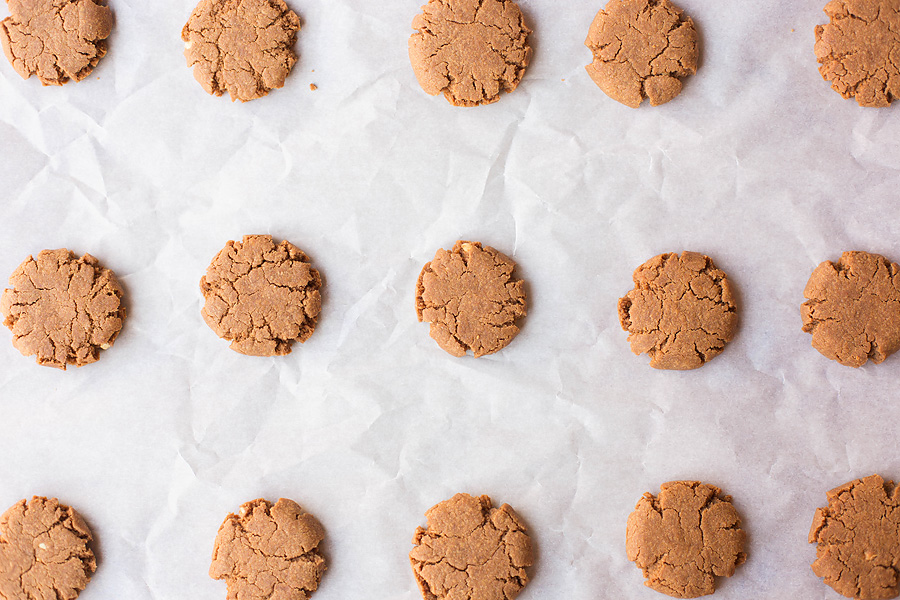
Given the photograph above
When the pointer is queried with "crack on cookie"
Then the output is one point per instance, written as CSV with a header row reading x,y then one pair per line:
x,y
681,311
470,299
641,49
853,307
470,549
469,50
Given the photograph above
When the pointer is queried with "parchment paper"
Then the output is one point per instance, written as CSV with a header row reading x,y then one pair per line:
x,y
758,163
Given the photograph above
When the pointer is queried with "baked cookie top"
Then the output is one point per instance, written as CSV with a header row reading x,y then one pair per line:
x,y
858,552
269,551
63,309
641,50
469,50
853,308
57,40
261,296
684,538
243,47
858,50
471,550
470,298
44,551
681,311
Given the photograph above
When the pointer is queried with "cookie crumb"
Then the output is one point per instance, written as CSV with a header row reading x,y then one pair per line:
x,y
313,87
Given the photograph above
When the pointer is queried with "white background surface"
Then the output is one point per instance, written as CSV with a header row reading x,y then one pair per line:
x,y
757,163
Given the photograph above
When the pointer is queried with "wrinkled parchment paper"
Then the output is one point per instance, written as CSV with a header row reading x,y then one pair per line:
x,y
758,163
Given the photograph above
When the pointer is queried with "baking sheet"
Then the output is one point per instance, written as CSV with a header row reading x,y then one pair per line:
x,y
757,163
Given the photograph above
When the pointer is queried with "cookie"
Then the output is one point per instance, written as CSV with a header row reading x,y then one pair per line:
x,y
858,552
63,309
45,551
261,296
853,308
243,47
685,538
269,551
471,550
471,299
57,40
642,49
469,50
681,311
858,50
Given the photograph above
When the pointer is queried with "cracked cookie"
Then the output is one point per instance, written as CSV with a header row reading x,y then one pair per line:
x,y
261,296
858,552
243,47
642,49
469,50
685,538
44,551
63,309
269,551
57,40
853,308
859,50
471,550
470,298
681,311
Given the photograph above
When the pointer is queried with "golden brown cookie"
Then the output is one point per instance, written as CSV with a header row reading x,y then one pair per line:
x,y
681,311
45,551
261,296
859,50
858,552
853,308
685,538
57,40
471,550
269,551
642,49
63,309
471,299
243,47
469,50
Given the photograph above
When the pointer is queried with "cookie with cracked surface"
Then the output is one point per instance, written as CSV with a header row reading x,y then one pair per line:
x,y
469,50
681,311
642,49
261,296
269,551
63,309
859,50
685,538
471,550
57,40
853,308
45,551
243,47
471,299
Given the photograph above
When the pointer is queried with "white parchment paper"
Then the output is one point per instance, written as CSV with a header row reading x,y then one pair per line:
x,y
758,163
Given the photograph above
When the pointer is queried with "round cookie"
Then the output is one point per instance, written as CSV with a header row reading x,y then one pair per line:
x,y
681,311
243,47
469,50
685,538
471,550
63,309
853,308
858,552
269,551
858,50
471,299
642,49
57,40
44,551
261,296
